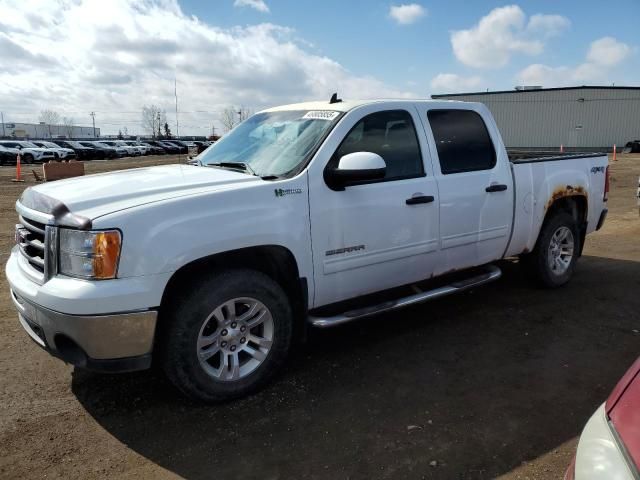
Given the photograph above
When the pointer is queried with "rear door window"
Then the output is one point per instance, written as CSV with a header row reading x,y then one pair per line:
x,y
462,140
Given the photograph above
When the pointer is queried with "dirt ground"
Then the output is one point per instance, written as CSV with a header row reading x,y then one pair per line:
x,y
497,382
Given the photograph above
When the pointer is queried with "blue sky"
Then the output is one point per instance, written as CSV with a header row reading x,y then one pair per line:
x,y
113,57
365,39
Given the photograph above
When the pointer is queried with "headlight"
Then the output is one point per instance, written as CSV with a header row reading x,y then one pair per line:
x,y
89,254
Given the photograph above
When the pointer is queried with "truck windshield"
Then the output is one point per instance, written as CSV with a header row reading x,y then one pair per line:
x,y
272,143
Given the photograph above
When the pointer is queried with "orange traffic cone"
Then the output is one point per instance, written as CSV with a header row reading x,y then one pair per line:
x,y
561,148
18,172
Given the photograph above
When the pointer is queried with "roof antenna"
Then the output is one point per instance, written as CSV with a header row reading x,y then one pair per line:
x,y
335,99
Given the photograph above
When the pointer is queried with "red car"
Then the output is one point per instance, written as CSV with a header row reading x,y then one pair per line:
x,y
609,447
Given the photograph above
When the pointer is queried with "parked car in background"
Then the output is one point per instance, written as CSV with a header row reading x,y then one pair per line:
x,y
120,150
168,148
144,150
62,153
632,147
29,152
102,151
181,148
154,149
201,146
131,150
8,155
82,152
183,143
609,447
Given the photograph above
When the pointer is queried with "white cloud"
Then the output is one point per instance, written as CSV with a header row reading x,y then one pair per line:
x,y
454,83
113,57
407,14
547,25
603,53
503,32
259,5
608,51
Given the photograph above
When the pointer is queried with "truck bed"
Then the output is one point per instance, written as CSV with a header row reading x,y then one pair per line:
x,y
543,178
531,156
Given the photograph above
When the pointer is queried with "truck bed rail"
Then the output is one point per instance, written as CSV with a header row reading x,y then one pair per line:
x,y
530,156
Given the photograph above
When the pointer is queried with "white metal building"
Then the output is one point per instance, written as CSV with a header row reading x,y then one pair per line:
x,y
575,117
42,131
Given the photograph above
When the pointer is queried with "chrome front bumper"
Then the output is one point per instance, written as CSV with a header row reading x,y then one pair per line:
x,y
115,342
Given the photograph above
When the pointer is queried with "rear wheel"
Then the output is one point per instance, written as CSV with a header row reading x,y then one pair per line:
x,y
27,158
554,257
228,336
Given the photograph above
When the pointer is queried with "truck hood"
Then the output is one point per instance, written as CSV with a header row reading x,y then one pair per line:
x,y
93,196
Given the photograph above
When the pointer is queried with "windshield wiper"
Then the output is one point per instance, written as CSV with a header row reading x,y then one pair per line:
x,y
245,167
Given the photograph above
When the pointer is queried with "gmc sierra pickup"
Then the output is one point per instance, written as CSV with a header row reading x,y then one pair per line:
x,y
294,218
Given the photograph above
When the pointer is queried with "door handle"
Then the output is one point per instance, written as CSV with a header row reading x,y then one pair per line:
x,y
496,188
419,199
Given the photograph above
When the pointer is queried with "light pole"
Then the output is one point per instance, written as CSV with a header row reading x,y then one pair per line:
x,y
175,91
93,117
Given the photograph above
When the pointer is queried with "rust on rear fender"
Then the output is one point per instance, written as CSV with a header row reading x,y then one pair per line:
x,y
566,191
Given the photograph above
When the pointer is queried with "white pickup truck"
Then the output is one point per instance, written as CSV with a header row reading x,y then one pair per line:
x,y
310,214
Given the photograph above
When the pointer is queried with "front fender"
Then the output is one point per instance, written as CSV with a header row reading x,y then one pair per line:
x,y
163,236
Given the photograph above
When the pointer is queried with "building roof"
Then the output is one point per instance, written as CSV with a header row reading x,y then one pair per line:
x,y
500,92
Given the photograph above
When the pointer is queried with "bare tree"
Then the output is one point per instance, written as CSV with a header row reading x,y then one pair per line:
x,y
125,131
68,126
152,119
231,116
49,117
228,119
244,113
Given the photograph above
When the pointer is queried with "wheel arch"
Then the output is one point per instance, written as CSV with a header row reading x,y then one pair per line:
x,y
577,206
275,261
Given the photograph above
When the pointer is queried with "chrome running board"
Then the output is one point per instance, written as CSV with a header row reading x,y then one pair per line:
x,y
491,273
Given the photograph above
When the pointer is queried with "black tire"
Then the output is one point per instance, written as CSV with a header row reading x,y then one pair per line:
x,y
186,315
27,158
537,263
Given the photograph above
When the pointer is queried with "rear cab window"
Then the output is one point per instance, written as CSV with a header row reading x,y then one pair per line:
x,y
462,140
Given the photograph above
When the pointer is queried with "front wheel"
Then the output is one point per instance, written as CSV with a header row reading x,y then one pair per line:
x,y
228,336
552,261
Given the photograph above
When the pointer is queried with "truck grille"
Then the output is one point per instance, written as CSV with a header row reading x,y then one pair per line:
x,y
30,237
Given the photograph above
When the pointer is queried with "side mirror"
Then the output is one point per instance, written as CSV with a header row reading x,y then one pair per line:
x,y
356,167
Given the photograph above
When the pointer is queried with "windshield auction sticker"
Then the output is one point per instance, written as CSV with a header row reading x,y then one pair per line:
x,y
321,115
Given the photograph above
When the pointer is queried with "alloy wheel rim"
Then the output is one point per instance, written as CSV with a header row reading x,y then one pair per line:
x,y
235,339
561,250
